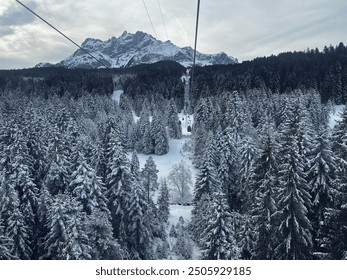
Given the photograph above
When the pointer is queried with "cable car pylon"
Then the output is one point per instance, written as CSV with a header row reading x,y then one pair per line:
x,y
188,77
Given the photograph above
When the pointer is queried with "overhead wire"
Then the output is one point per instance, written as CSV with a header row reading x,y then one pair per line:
x,y
62,34
195,46
162,19
149,17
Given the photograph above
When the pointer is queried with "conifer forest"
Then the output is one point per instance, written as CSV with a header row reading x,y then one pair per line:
x,y
268,173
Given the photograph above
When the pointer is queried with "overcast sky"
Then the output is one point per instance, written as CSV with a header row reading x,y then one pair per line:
x,y
244,29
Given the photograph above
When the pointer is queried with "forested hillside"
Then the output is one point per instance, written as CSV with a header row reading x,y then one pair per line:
x,y
270,178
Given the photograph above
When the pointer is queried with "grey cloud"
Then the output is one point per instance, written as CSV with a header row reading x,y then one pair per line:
x,y
17,15
5,31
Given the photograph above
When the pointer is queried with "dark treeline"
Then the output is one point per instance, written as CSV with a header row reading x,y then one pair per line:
x,y
325,71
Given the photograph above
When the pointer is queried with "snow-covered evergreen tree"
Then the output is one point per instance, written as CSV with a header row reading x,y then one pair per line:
x,y
218,238
58,174
159,135
321,177
9,200
139,237
173,124
264,191
6,244
149,175
294,200
135,166
17,231
67,238
332,234
339,148
101,240
163,202
207,181
228,168
87,187
183,246
44,204
247,238
117,183
248,155
147,141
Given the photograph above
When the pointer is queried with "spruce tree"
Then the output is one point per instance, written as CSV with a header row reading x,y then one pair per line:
x,y
139,237
321,178
218,238
87,187
183,246
6,244
58,173
66,238
228,168
295,229
207,181
264,182
163,202
333,234
118,180
101,240
159,136
248,155
17,231
149,175
247,238
174,127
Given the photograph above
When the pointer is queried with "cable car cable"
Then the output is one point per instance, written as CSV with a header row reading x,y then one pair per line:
x,y
195,45
162,19
149,17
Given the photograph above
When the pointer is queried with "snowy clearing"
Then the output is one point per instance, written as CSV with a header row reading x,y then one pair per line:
x,y
165,162
335,115
177,211
116,95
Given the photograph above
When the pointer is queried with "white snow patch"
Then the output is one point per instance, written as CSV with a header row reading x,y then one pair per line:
x,y
335,115
116,95
177,211
135,117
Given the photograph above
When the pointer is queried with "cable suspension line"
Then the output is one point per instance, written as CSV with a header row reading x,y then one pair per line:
x,y
162,19
149,17
62,34
195,45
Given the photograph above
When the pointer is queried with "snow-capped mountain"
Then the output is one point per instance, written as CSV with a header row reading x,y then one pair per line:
x,y
139,48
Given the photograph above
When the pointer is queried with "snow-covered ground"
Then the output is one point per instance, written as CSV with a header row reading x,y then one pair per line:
x,y
335,115
116,95
166,162
177,211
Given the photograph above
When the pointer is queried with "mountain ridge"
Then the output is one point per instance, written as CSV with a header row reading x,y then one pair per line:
x,y
134,49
